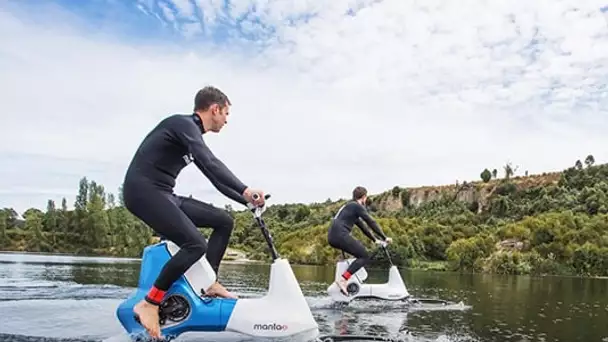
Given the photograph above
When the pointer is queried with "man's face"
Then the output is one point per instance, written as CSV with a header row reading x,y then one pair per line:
x,y
220,116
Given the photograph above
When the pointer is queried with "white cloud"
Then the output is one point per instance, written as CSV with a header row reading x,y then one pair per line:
x,y
184,7
397,93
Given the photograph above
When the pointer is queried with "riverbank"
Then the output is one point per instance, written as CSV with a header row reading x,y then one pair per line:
x,y
477,254
438,266
231,256
19,244
19,241
226,260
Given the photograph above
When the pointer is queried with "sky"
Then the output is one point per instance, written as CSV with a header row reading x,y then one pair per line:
x,y
326,95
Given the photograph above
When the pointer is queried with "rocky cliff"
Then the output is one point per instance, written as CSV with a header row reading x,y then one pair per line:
x,y
475,194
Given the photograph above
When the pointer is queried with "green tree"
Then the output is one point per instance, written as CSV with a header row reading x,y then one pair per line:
x,y
302,213
282,213
121,198
486,175
11,218
111,201
3,236
64,218
405,198
589,161
33,224
509,170
395,192
50,217
97,224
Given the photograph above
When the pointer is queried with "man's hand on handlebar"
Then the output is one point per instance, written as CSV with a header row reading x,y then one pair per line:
x,y
384,243
381,243
255,197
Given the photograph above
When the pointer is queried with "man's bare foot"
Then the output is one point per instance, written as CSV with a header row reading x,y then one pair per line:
x,y
220,291
342,286
148,317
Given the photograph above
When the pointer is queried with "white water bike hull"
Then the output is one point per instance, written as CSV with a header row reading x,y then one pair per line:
x,y
393,289
282,312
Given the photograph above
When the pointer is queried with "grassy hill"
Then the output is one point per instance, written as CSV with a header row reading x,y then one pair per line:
x,y
554,223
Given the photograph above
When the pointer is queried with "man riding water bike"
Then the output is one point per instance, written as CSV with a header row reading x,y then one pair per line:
x,y
341,226
148,194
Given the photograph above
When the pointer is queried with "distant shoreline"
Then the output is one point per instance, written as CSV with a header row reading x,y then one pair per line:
x,y
226,260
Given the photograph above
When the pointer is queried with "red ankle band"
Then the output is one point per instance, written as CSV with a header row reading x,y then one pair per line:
x,y
155,296
346,275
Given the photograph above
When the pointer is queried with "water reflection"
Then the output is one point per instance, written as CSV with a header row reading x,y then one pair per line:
x,y
352,323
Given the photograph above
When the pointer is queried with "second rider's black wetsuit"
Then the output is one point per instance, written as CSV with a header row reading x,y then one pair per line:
x,y
148,194
339,236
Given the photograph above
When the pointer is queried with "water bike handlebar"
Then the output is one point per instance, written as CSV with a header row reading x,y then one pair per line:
x,y
381,243
257,214
257,210
383,246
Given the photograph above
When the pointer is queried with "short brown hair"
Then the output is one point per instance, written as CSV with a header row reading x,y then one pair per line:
x,y
359,192
209,95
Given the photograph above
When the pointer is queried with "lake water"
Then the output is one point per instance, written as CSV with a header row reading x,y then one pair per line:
x,y
59,297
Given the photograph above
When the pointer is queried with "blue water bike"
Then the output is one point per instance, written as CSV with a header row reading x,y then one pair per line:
x,y
281,313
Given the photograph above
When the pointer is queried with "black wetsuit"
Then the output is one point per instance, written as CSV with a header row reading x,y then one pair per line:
x,y
339,236
148,194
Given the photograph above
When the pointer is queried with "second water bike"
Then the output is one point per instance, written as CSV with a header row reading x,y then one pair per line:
x,y
393,290
281,313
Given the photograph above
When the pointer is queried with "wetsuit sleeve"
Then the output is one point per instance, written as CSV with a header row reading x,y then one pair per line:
x,y
228,192
370,221
364,229
206,161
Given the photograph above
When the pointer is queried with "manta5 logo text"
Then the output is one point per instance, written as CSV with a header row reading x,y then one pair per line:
x,y
271,326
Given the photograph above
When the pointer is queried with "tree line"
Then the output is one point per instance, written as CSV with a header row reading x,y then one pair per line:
x,y
96,226
515,226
